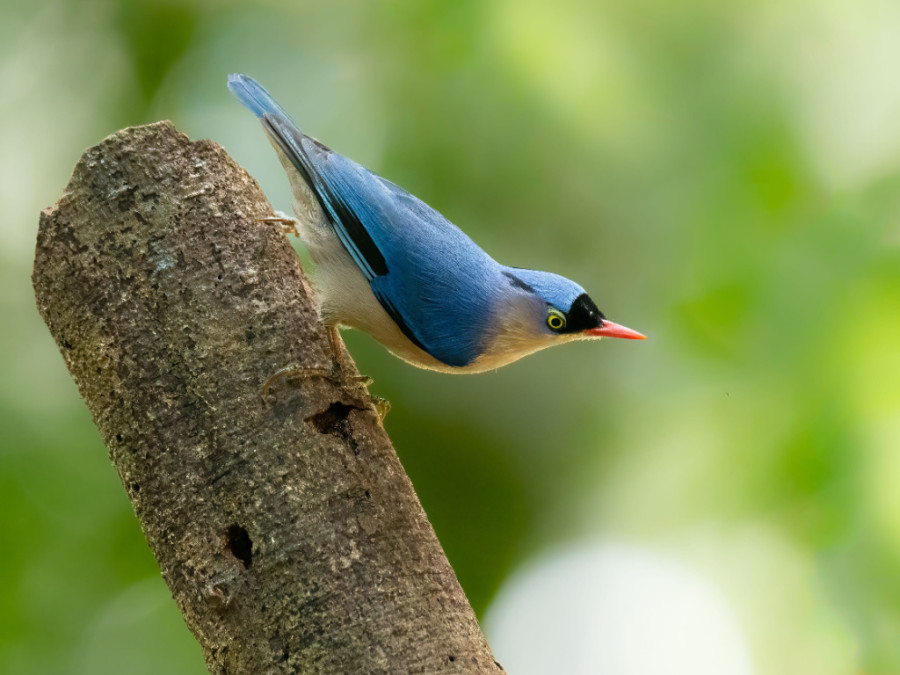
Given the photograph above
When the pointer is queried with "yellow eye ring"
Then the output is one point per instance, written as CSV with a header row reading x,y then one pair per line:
x,y
556,321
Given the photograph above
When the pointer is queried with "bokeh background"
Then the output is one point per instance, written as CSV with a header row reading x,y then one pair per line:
x,y
723,176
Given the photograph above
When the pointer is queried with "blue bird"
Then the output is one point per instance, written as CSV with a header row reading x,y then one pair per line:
x,y
390,265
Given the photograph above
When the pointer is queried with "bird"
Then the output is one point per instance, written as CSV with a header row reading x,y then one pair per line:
x,y
391,266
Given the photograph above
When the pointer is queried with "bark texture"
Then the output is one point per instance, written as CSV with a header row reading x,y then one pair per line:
x,y
284,525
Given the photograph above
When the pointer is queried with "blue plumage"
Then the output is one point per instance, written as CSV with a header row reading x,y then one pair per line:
x,y
456,308
249,92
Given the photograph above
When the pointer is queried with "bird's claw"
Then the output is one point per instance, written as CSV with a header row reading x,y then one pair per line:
x,y
287,224
382,405
333,374
337,374
295,372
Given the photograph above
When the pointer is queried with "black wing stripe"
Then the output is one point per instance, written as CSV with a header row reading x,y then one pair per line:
x,y
344,219
398,319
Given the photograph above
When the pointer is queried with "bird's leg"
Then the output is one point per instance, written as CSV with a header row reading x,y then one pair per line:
x,y
337,353
334,338
288,225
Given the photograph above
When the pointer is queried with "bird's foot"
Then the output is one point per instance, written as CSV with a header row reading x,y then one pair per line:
x,y
363,382
351,382
335,374
288,225
382,405
356,385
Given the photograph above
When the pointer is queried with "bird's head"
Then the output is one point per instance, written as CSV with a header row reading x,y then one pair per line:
x,y
540,309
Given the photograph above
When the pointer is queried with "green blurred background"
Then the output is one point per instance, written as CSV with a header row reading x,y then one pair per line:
x,y
724,177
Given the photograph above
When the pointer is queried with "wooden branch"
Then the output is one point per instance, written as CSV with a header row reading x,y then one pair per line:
x,y
286,529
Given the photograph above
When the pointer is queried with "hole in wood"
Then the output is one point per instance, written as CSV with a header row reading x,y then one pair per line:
x,y
238,543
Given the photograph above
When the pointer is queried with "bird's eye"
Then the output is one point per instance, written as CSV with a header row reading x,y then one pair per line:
x,y
555,320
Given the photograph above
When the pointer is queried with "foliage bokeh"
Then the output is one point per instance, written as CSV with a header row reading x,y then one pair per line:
x,y
724,177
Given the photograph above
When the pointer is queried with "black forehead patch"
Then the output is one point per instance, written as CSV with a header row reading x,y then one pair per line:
x,y
582,315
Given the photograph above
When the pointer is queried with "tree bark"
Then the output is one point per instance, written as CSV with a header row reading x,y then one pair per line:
x,y
284,525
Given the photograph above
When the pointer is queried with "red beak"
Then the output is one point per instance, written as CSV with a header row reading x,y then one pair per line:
x,y
610,329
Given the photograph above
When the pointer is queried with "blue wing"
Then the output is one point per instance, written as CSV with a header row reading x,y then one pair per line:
x,y
432,280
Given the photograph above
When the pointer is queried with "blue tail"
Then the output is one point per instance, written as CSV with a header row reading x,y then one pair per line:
x,y
251,94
